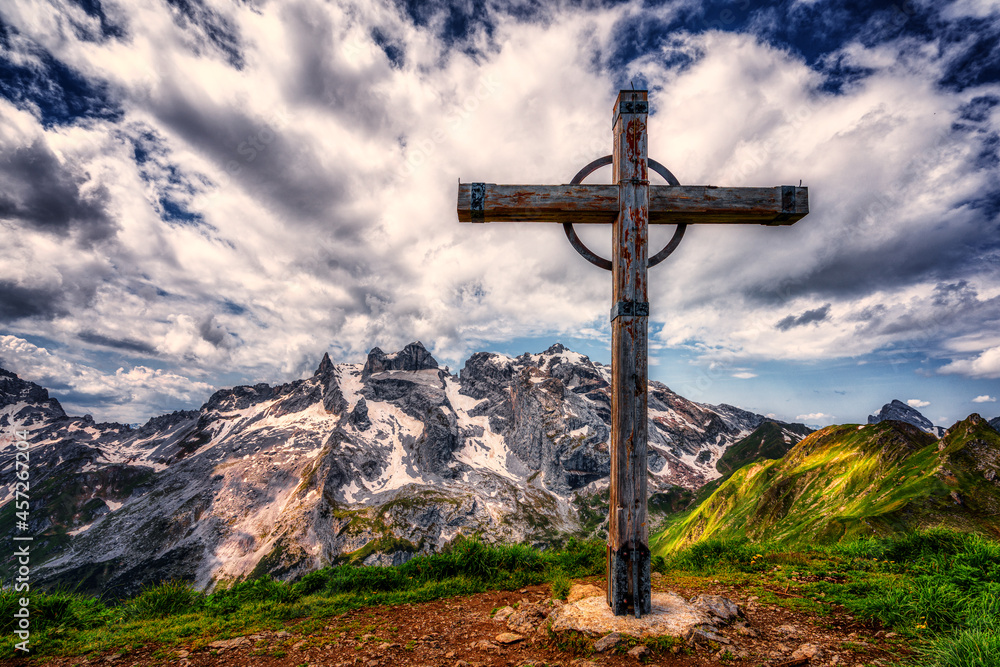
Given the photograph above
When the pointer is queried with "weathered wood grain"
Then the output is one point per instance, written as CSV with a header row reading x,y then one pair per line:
x,y
668,205
627,532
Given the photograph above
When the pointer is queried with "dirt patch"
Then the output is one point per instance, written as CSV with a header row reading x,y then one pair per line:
x,y
461,632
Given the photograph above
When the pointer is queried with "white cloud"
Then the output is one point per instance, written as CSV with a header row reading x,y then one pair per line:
x,y
985,365
814,417
985,398
917,403
744,375
978,8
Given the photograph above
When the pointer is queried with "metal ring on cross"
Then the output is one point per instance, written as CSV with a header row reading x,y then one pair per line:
x,y
599,261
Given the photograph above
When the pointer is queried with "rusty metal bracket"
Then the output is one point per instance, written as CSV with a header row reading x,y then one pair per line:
x,y
787,198
478,203
787,206
633,308
579,245
629,106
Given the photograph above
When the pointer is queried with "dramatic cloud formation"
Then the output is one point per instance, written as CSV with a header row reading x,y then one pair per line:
x,y
89,389
221,191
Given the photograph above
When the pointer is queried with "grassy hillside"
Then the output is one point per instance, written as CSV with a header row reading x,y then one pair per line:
x,y
768,441
850,481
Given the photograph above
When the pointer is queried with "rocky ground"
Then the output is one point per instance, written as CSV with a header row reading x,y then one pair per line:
x,y
478,631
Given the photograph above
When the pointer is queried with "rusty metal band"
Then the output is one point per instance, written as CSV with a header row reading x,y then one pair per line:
x,y
629,107
630,309
478,204
596,259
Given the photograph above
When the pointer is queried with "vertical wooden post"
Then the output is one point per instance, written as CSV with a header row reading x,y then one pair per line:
x,y
628,536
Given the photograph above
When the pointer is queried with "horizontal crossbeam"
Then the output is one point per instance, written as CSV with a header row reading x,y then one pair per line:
x,y
668,204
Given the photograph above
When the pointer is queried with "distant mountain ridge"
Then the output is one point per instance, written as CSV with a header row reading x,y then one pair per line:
x,y
373,461
899,411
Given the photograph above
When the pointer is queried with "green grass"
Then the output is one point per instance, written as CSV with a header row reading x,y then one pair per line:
x,y
172,613
940,589
967,648
560,586
166,599
767,442
721,555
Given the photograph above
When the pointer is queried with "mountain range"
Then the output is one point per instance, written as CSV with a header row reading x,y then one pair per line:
x,y
369,463
372,463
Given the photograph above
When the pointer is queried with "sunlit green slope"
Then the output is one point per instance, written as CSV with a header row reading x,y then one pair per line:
x,y
848,481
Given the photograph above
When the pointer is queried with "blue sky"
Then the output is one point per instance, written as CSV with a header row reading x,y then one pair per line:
x,y
195,194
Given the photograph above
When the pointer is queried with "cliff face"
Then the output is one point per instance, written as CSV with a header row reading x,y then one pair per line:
x,y
374,462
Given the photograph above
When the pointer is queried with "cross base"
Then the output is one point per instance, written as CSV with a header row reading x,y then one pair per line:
x,y
628,571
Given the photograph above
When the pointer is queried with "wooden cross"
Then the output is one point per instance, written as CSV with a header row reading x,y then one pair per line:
x,y
631,204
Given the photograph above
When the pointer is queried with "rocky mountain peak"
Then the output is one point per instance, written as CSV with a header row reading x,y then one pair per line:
x,y
325,366
971,423
899,411
14,390
995,423
413,357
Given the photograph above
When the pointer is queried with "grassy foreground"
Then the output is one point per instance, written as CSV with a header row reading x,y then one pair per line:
x,y
172,613
938,589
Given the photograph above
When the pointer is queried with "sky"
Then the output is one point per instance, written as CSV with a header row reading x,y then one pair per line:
x,y
201,193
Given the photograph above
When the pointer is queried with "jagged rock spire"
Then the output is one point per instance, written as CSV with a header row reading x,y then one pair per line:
x,y
325,366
